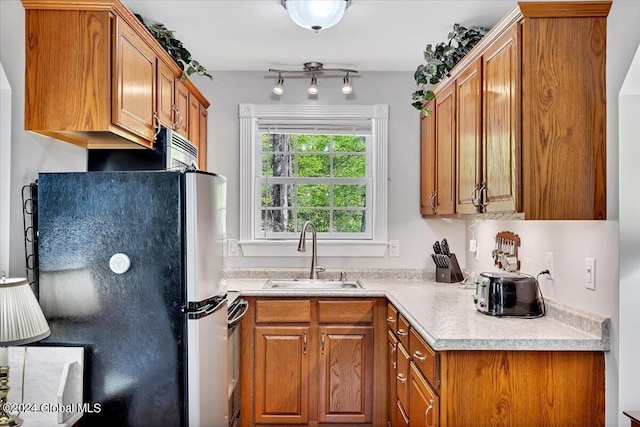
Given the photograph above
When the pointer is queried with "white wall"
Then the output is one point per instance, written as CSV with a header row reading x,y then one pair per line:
x,y
630,239
416,235
572,241
30,153
5,168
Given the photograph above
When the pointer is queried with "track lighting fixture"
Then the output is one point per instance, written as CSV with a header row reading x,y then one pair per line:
x,y
278,89
313,87
315,69
316,15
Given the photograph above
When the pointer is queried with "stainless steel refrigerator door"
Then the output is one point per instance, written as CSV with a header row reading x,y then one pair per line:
x,y
207,370
205,221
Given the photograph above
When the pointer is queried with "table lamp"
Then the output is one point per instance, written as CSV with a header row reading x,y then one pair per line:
x,y
21,322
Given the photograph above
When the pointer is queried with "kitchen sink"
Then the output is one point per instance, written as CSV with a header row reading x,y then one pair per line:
x,y
311,284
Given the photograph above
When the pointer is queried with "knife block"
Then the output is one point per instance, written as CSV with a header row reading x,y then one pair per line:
x,y
452,274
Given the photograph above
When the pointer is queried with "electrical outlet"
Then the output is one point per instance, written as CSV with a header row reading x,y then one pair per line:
x,y
232,247
590,274
473,245
394,248
549,265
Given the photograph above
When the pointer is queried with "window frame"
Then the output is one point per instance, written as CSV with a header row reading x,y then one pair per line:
x,y
249,117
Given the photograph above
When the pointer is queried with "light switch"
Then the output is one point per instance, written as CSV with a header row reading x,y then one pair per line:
x,y
590,274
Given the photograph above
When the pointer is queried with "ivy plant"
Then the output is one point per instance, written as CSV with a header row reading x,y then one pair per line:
x,y
440,59
175,49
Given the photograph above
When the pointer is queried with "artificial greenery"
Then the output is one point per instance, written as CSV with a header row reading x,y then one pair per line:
x,y
440,60
175,49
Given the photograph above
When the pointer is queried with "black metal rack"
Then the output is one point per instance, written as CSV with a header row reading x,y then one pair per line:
x,y
30,225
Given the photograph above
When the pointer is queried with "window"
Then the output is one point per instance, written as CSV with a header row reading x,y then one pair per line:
x,y
327,164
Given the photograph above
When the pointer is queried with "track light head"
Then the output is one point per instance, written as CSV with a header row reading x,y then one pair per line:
x,y
313,87
346,86
278,89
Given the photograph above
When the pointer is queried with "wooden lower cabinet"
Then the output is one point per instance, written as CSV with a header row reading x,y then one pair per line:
x,y
282,374
492,387
314,362
346,374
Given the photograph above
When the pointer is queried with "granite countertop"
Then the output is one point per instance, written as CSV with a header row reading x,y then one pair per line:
x,y
445,316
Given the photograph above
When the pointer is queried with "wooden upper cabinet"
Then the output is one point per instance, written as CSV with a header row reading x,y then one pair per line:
x,y
501,143
428,162
468,138
532,141
166,94
134,83
445,127
95,77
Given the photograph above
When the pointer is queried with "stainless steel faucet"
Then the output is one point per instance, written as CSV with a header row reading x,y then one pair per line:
x,y
314,251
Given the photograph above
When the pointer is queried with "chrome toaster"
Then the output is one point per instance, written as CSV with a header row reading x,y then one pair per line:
x,y
508,294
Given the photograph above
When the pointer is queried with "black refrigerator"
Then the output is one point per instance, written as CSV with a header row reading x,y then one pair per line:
x,y
130,267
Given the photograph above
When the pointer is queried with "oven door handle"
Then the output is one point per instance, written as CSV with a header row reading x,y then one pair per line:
x,y
238,317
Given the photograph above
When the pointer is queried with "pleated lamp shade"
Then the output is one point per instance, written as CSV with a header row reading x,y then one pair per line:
x,y
21,318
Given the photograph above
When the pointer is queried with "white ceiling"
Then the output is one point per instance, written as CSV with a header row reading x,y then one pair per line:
x,y
374,35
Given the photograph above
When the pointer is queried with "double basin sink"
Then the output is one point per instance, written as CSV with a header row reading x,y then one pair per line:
x,y
311,284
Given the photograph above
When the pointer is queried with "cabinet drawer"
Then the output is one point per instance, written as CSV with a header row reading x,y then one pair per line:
x,y
283,311
424,402
403,330
350,311
392,317
425,358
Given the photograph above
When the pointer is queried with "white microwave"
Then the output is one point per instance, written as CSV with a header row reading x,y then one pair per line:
x,y
172,152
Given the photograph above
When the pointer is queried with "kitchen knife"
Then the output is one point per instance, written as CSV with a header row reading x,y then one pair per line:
x,y
436,248
445,247
435,260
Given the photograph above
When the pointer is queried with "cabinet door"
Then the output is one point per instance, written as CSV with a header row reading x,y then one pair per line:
x,y
202,140
393,396
346,374
423,404
134,83
281,375
445,124
194,120
166,93
501,144
428,162
468,137
182,109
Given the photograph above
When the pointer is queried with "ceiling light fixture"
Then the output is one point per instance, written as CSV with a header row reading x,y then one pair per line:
x,y
346,86
315,69
278,89
316,15
313,86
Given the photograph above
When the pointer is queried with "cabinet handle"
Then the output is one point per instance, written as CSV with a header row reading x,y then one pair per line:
x,y
322,343
483,197
304,344
391,319
156,120
474,193
418,355
402,332
432,202
393,360
178,125
401,378
426,413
